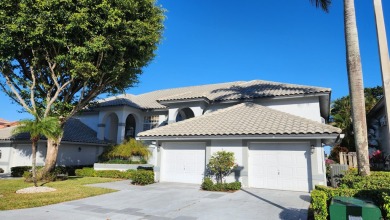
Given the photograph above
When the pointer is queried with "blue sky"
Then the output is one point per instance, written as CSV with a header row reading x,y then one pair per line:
x,y
283,41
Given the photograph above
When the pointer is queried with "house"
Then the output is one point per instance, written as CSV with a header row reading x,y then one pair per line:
x,y
378,135
5,123
275,130
79,146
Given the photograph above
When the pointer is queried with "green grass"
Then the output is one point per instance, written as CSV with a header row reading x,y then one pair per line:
x,y
71,189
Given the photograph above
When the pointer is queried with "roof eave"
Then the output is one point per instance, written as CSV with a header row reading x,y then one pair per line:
x,y
229,137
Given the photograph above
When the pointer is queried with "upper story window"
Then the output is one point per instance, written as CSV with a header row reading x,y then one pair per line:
x,y
184,114
150,122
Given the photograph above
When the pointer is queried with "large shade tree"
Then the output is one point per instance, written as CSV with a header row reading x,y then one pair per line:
x,y
355,80
57,56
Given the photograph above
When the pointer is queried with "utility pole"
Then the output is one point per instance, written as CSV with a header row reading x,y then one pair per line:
x,y
385,63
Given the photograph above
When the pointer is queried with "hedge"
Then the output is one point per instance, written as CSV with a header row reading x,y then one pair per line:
x,y
381,198
319,204
209,185
19,171
142,177
68,170
138,177
377,180
90,172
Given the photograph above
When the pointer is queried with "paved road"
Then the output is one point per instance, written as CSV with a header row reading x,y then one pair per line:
x,y
173,201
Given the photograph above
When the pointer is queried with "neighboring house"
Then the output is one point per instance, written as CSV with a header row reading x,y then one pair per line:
x,y
79,146
378,135
5,123
275,130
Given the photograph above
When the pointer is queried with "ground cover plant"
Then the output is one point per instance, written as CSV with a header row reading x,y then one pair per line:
x,y
71,189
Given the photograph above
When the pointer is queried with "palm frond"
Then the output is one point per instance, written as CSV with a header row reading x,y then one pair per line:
x,y
323,4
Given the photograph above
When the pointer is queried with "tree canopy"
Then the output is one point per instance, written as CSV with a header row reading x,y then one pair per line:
x,y
341,113
58,55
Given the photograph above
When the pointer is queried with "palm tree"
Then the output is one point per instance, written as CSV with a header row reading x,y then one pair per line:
x,y
355,80
48,127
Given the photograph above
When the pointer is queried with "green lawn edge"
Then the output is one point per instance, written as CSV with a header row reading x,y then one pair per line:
x,y
71,189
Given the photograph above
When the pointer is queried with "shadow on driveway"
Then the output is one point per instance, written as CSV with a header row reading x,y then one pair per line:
x,y
287,213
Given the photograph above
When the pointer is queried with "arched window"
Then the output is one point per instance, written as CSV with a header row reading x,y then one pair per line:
x,y
130,127
184,114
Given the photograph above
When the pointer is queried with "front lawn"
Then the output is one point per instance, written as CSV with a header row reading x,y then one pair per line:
x,y
71,189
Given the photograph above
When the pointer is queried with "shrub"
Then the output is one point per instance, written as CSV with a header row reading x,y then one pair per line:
x,y
125,151
19,171
90,172
142,177
59,173
120,161
386,205
377,180
210,186
221,164
1,170
319,204
207,184
66,170
381,197
86,171
116,174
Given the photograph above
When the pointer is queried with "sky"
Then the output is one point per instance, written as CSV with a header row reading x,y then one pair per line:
x,y
283,41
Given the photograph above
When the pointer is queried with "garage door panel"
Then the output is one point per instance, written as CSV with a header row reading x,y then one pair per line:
x,y
183,162
279,166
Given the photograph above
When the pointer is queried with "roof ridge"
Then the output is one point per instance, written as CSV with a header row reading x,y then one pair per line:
x,y
182,87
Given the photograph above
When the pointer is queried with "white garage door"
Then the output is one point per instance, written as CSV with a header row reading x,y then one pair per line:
x,y
279,166
183,162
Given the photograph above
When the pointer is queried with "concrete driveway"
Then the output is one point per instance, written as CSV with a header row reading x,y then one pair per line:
x,y
173,201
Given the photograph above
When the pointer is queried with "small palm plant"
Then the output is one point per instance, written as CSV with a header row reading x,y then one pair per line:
x,y
48,127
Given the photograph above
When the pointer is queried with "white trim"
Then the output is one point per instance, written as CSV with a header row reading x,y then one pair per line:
x,y
297,137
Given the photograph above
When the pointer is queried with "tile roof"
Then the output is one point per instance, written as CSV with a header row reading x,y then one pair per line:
x,y
214,92
243,119
74,131
3,121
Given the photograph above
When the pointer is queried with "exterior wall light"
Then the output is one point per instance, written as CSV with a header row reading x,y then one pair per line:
x,y
79,149
312,148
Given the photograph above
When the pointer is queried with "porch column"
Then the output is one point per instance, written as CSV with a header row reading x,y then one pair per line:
x,y
100,132
121,132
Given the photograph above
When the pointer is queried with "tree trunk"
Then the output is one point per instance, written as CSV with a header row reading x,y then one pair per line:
x,y
51,155
385,63
356,91
34,162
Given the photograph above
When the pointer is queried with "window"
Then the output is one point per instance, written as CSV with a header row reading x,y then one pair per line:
x,y
0,154
150,122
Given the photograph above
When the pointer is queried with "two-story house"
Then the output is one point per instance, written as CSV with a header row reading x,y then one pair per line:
x,y
275,130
